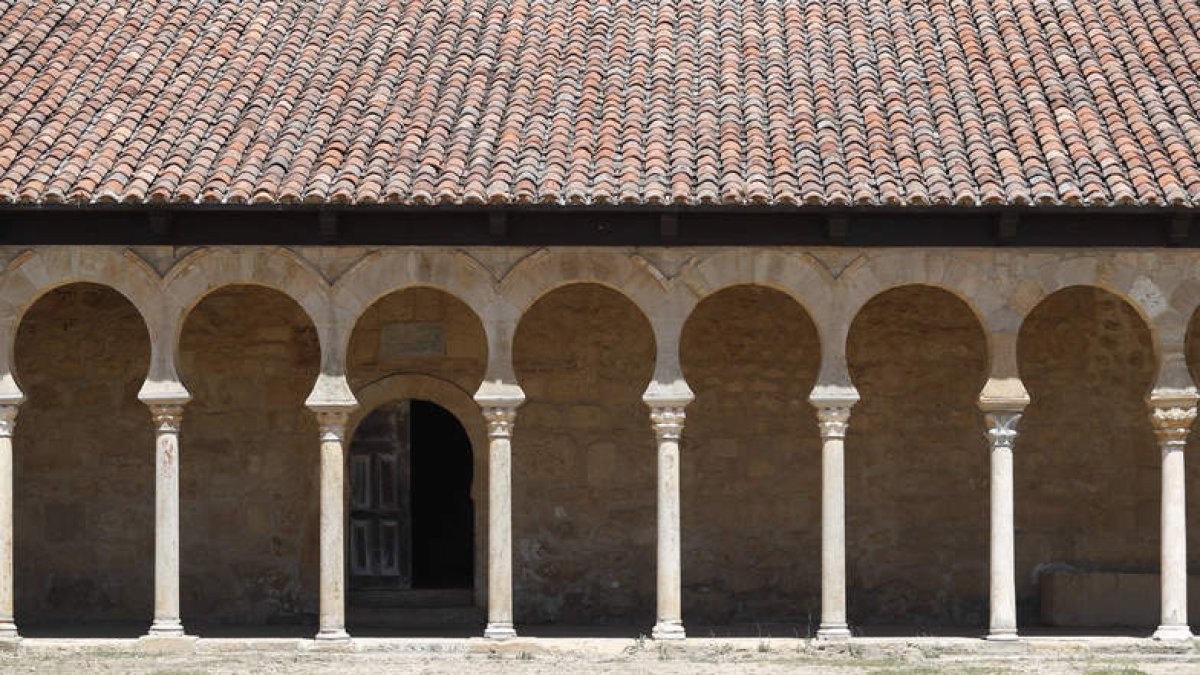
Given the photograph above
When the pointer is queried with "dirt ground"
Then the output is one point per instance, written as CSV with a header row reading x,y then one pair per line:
x,y
599,656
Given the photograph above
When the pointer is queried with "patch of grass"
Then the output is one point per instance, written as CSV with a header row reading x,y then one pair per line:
x,y
1115,671
718,651
639,644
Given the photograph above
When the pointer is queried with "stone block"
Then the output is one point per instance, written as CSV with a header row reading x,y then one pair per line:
x,y
1097,599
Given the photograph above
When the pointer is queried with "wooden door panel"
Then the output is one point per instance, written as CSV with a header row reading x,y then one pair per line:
x,y
380,501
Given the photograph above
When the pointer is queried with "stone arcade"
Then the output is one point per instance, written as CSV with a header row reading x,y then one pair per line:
x,y
688,317
1136,307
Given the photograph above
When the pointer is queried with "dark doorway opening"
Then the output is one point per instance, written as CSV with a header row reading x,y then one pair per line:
x,y
443,514
412,521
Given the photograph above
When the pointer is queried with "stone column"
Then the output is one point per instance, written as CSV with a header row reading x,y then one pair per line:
x,y
834,420
668,427
1173,419
1002,432
167,418
8,422
500,421
332,422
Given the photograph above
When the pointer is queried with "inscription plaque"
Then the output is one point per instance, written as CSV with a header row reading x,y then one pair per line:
x,y
402,340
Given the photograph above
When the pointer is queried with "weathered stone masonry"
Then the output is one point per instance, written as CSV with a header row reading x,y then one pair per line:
x,y
655,434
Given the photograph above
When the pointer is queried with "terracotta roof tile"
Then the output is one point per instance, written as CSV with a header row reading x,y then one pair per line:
x,y
611,101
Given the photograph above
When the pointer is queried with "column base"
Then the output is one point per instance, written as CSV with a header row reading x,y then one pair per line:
x,y
166,628
1173,633
332,635
8,630
499,631
1002,635
833,633
668,630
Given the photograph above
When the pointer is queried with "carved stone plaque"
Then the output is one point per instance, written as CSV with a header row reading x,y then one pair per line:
x,y
403,340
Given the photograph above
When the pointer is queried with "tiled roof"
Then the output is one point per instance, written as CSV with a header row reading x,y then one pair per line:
x,y
601,101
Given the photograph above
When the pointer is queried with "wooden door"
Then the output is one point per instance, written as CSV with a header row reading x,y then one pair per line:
x,y
380,501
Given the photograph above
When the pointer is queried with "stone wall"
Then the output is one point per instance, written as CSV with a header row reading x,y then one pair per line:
x,y
83,461
917,463
1086,462
584,461
751,462
249,461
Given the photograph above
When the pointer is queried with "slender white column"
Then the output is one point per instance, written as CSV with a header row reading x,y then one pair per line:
x,y
333,524
1172,423
8,422
500,421
834,420
668,428
167,419
1002,432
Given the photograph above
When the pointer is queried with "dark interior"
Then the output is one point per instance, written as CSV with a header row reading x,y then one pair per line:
x,y
443,513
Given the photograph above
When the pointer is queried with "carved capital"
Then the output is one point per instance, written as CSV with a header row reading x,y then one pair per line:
x,y
332,424
500,420
833,420
668,422
8,420
1002,428
1173,423
167,418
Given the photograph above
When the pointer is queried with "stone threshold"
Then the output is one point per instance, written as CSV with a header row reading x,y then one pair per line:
x,y
916,647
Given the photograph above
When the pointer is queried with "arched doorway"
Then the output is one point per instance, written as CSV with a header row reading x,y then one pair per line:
x,y
412,519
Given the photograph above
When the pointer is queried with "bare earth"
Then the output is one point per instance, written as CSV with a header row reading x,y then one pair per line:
x,y
561,656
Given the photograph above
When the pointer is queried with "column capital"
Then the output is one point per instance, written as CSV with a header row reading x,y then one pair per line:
x,y
500,420
1002,427
1172,421
332,424
167,416
833,420
833,403
668,419
8,419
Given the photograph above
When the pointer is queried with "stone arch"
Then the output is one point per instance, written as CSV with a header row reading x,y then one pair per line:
x,y
382,273
1112,274
546,270
248,493
801,277
209,269
583,498
952,272
750,464
35,273
83,472
462,405
1086,463
916,504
